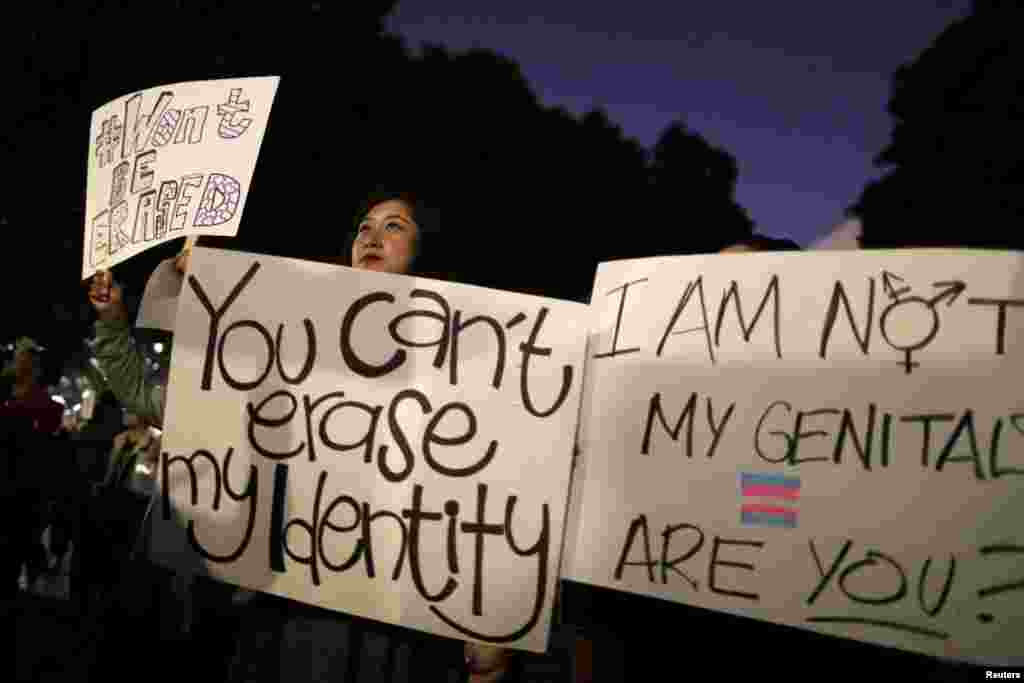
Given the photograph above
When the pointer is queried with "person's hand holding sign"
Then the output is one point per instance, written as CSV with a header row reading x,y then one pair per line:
x,y
107,297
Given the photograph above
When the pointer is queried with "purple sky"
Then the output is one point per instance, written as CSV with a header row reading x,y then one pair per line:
x,y
796,91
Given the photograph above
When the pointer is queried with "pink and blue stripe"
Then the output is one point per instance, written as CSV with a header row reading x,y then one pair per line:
x,y
755,487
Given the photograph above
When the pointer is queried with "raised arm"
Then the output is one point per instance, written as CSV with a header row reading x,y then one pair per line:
x,y
120,359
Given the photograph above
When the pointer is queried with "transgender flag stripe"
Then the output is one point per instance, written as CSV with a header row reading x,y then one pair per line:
x,y
758,519
764,498
764,491
751,479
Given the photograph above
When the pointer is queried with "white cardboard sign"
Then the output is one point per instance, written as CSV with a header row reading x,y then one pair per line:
x,y
171,161
833,441
387,446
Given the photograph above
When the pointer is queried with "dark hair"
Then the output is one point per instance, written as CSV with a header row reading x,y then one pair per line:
x,y
765,243
428,254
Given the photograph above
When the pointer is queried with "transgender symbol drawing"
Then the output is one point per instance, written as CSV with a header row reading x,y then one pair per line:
x,y
910,323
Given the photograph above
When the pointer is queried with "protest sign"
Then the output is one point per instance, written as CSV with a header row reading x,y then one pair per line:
x,y
171,161
833,441
387,446
159,302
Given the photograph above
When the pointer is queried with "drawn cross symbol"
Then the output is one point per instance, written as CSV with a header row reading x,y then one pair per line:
x,y
231,124
915,320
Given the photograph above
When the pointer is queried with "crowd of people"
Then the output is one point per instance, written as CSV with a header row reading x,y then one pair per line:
x,y
57,461
58,479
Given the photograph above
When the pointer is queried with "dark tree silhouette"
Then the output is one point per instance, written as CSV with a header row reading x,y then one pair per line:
x,y
695,181
535,198
955,158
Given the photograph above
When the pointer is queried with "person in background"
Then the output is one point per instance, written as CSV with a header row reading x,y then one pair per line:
x,y
130,474
30,420
28,397
119,502
91,444
96,435
134,447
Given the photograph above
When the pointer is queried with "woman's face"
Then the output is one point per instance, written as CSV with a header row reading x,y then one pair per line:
x,y
386,238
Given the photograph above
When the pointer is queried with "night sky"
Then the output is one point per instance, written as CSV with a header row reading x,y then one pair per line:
x,y
796,91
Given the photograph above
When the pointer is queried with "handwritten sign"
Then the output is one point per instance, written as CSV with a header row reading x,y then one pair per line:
x,y
833,441
391,447
159,303
171,161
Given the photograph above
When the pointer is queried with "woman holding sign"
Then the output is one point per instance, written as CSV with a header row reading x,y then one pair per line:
x,y
393,233
389,237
